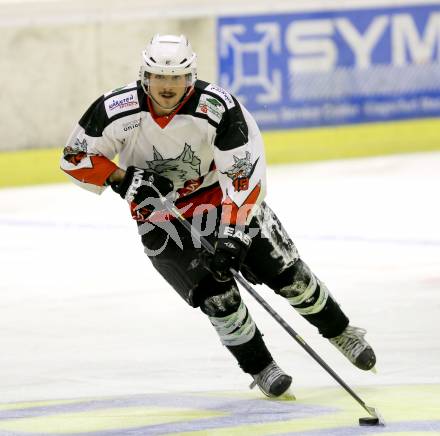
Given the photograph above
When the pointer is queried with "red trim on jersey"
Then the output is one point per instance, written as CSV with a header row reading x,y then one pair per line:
x,y
212,166
163,120
190,186
141,214
232,214
98,174
210,198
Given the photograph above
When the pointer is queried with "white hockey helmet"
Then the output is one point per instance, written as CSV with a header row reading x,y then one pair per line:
x,y
168,55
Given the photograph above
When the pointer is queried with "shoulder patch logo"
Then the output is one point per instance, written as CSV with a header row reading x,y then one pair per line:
x,y
213,101
241,172
224,95
121,103
212,107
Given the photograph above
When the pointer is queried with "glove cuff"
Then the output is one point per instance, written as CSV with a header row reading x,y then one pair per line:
x,y
122,186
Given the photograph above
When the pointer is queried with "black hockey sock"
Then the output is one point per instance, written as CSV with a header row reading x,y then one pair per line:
x,y
252,356
330,321
310,298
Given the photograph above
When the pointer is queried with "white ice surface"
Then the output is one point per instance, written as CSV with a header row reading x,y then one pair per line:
x,y
83,313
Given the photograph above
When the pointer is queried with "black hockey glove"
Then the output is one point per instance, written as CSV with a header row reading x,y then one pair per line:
x,y
139,184
230,251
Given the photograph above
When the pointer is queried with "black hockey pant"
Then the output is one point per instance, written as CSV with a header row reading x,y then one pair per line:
x,y
272,259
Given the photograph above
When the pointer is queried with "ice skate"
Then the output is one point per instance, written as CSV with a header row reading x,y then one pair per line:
x,y
355,348
272,381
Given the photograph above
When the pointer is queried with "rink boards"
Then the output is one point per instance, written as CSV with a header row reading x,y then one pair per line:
x,y
38,166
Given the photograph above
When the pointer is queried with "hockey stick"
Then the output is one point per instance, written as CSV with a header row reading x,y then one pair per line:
x,y
375,418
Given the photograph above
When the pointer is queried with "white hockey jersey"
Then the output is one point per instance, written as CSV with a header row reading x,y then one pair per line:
x,y
210,147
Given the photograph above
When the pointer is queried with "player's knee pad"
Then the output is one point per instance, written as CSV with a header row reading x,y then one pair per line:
x,y
229,316
221,299
302,289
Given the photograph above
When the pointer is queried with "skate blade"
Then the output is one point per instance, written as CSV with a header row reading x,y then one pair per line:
x,y
287,396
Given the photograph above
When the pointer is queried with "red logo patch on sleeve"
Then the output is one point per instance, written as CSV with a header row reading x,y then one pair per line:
x,y
241,172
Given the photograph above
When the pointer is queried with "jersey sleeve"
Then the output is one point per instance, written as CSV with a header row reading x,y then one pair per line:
x,y
240,161
87,156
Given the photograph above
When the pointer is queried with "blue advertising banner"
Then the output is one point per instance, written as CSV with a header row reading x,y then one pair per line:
x,y
333,67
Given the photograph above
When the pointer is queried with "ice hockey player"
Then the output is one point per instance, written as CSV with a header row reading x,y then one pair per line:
x,y
176,135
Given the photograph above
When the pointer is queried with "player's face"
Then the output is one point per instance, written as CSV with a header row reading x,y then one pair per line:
x,y
167,90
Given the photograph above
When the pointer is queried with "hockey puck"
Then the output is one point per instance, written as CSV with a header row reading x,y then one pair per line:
x,y
370,420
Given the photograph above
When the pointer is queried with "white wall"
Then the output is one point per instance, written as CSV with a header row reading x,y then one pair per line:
x,y
50,73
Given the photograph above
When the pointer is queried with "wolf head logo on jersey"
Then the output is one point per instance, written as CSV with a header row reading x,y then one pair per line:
x,y
182,168
76,152
241,172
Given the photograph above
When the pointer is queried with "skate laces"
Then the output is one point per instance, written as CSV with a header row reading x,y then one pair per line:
x,y
351,342
265,378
